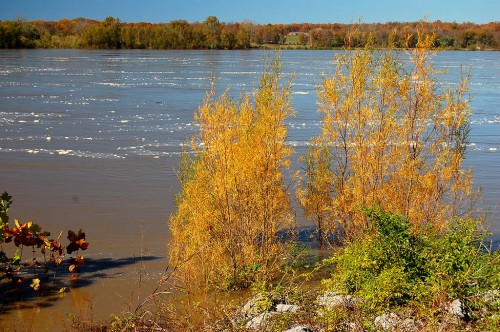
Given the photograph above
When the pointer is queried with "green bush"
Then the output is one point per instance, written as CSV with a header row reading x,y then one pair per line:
x,y
393,266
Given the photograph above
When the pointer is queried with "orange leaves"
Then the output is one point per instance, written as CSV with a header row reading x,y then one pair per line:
x,y
54,247
394,139
27,234
233,198
31,235
77,241
58,261
75,264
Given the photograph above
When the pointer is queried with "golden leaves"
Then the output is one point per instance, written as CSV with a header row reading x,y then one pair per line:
x,y
233,199
393,138
35,284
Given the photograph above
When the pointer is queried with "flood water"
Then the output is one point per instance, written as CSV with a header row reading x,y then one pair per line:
x,y
91,139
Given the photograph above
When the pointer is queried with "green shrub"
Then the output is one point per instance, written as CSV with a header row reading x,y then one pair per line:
x,y
394,266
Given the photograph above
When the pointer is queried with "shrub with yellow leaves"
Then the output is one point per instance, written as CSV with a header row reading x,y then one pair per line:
x,y
391,136
234,199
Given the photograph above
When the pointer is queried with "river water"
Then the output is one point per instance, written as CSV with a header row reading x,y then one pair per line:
x,y
91,139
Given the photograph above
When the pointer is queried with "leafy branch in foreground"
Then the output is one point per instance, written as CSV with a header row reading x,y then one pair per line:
x,y
31,235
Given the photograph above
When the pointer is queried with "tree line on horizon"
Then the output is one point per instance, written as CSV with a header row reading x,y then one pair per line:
x,y
111,33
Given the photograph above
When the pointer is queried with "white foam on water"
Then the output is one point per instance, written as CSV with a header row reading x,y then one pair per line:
x,y
64,152
72,153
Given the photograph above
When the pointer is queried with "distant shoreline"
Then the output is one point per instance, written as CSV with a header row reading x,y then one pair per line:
x,y
111,33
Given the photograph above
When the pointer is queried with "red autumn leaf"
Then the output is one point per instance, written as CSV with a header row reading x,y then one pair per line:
x,y
73,237
77,241
72,247
84,245
28,234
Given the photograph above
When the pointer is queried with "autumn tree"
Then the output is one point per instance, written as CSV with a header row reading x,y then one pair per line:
x,y
18,34
234,199
244,34
315,192
228,39
106,34
112,33
212,29
391,136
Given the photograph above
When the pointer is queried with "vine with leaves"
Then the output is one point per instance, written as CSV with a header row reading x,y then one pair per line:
x,y
30,234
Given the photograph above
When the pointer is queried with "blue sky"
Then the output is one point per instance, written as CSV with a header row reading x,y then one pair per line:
x,y
257,11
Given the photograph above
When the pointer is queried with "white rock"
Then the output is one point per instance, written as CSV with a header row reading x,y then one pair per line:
x,y
408,325
331,300
387,321
491,296
249,307
287,308
456,308
391,322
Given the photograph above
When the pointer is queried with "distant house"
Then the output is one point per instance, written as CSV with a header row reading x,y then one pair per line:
x,y
296,38
298,33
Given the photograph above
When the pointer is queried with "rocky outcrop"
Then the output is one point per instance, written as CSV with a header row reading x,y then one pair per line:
x,y
258,322
287,308
456,309
260,311
252,317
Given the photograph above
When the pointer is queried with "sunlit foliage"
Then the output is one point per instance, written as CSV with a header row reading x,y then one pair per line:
x,y
30,234
391,136
112,33
394,266
234,198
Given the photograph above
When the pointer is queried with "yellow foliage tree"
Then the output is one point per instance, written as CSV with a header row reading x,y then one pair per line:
x,y
233,199
391,136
